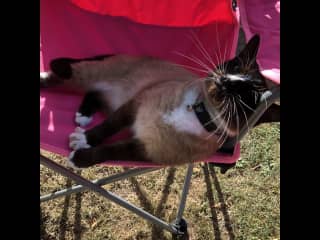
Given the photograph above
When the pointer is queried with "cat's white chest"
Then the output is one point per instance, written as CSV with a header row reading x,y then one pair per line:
x,y
182,118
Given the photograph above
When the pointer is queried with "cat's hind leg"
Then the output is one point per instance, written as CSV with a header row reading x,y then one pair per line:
x,y
128,150
123,117
92,102
84,142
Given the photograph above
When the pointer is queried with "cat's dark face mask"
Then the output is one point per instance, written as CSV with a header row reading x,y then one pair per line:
x,y
236,86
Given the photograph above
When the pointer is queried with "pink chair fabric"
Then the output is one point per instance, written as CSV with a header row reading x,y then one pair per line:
x,y
69,31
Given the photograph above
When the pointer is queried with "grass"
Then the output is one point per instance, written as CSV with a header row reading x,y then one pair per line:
x,y
241,204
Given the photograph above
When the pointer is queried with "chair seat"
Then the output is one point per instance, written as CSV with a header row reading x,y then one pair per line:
x,y
57,110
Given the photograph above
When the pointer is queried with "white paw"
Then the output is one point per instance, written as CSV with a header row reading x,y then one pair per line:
x,y
78,140
70,162
82,120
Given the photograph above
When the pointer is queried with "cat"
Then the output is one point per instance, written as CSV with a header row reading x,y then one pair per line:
x,y
176,118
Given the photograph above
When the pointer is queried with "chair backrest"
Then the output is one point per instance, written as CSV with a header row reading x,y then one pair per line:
x,y
68,30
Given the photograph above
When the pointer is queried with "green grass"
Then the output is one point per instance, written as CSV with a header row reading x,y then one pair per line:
x,y
241,204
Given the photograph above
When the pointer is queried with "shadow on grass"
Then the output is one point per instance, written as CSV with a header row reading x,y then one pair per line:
x,y
43,233
77,230
208,170
227,221
157,233
77,217
64,214
214,217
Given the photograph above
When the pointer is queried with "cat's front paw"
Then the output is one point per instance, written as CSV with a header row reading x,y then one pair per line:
x,y
80,159
78,140
82,120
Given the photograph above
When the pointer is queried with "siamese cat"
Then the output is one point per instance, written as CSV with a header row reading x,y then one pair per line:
x,y
175,117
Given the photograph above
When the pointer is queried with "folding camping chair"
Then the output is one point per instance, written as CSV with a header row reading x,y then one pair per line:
x,y
79,29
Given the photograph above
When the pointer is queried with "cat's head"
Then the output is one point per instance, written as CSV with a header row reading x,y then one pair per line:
x,y
236,86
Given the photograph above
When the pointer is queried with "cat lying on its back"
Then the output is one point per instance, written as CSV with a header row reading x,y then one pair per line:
x,y
176,117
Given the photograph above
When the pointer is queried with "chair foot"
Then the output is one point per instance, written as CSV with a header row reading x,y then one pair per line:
x,y
182,227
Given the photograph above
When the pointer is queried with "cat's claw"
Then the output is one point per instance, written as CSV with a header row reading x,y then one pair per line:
x,y
78,140
82,120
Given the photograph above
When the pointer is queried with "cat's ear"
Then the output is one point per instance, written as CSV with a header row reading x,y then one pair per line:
x,y
249,53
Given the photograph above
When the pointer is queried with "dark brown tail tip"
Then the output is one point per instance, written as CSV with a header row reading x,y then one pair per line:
x,y
61,67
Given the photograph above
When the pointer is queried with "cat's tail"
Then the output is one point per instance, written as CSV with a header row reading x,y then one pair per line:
x,y
49,79
61,70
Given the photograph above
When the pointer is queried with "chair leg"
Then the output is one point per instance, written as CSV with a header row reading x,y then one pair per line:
x,y
180,223
112,197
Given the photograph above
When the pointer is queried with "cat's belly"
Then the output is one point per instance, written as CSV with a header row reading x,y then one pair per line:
x,y
172,134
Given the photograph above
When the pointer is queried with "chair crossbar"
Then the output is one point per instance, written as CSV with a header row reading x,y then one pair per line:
x,y
171,227
103,181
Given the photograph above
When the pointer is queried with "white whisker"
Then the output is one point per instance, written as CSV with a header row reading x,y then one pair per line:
x,y
202,49
237,117
224,133
224,56
245,115
219,47
255,96
219,68
192,68
195,61
265,100
195,81
220,124
243,103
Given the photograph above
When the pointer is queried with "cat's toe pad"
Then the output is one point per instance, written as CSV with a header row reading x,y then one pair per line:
x,y
78,140
82,120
